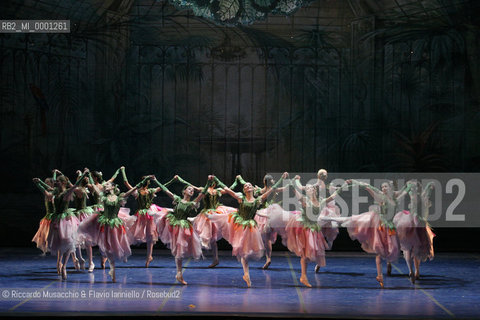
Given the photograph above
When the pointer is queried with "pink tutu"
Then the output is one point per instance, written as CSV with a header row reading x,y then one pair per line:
x,y
84,213
263,224
41,236
376,238
63,234
206,230
304,242
223,210
113,241
414,235
243,235
179,236
330,233
89,230
144,228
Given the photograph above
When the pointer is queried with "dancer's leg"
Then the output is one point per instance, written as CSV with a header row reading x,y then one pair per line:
x,y
246,272
112,269
149,253
91,265
378,261
408,260
416,261
215,254
179,275
303,277
268,252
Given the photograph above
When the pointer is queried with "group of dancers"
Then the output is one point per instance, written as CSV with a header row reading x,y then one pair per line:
x,y
250,229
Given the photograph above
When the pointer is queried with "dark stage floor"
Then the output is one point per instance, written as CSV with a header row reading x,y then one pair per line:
x,y
346,287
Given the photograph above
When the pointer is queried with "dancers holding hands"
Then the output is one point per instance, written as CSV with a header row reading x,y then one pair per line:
x,y
240,228
250,229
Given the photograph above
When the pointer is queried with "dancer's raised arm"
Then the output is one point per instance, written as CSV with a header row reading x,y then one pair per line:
x,y
42,186
164,189
374,192
125,180
177,177
274,187
115,175
233,194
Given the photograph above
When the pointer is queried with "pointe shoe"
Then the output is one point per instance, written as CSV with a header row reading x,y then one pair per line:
x,y
102,263
179,278
214,264
111,273
389,269
147,262
380,280
412,277
82,264
59,268
305,282
76,263
246,278
267,264
64,273
91,267
317,268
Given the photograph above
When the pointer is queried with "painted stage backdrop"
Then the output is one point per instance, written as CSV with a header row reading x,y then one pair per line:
x,y
350,86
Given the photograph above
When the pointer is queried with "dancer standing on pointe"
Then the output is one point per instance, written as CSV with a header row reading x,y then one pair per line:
x,y
207,231
82,211
301,232
144,228
62,237
414,232
269,236
330,210
96,188
176,231
373,229
107,229
48,192
240,228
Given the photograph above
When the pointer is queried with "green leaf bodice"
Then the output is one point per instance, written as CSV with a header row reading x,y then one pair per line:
x,y
144,201
80,202
61,206
110,212
211,201
97,197
49,208
387,205
312,211
248,210
184,210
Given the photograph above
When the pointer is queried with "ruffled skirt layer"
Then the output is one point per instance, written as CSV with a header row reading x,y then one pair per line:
x,y
112,240
62,235
40,238
375,237
330,232
206,230
179,236
144,229
414,235
243,235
